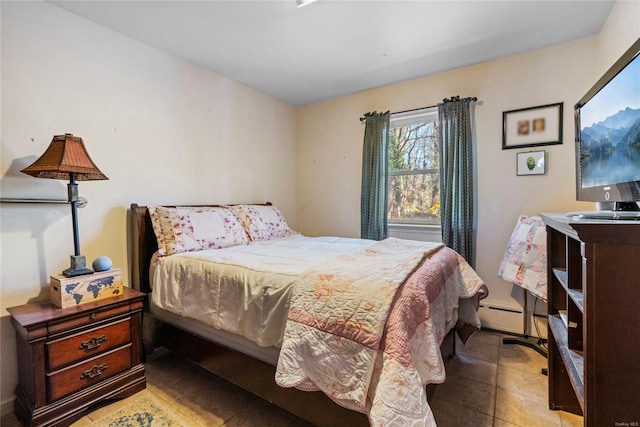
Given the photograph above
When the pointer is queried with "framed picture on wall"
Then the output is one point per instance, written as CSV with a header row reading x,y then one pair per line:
x,y
532,127
531,163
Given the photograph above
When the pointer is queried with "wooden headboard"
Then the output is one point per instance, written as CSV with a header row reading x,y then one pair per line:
x,y
144,244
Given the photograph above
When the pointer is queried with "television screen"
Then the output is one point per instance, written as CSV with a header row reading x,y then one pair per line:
x,y
608,135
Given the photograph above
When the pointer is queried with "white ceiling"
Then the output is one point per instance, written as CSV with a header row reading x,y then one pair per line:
x,y
333,48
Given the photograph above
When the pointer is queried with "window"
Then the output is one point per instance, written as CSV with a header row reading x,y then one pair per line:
x,y
414,168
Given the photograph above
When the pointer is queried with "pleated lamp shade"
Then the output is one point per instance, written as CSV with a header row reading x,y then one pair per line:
x,y
66,155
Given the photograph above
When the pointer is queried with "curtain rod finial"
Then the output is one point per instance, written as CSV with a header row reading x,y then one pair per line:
x,y
372,114
457,98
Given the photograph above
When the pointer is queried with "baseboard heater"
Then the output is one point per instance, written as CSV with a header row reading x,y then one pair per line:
x,y
524,338
509,320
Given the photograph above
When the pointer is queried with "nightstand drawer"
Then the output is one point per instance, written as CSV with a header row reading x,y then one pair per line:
x,y
81,375
86,318
70,349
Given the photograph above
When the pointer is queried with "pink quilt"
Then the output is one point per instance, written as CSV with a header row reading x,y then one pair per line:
x,y
365,328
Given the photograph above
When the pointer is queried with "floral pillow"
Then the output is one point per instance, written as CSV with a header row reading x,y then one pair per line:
x,y
186,229
262,222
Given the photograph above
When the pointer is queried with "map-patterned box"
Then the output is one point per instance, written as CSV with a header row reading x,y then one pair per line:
x,y
71,291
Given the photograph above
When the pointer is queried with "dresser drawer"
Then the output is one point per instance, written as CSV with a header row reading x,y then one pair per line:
x,y
73,378
73,348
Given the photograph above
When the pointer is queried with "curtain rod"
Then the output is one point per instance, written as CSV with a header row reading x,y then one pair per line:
x,y
453,98
415,109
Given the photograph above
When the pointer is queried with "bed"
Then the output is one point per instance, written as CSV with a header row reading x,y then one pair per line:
x,y
324,327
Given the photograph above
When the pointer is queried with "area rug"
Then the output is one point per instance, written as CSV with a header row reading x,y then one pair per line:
x,y
143,411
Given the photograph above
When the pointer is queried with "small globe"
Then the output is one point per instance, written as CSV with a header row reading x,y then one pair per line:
x,y
102,263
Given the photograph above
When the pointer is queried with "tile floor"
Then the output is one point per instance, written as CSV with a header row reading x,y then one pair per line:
x,y
488,384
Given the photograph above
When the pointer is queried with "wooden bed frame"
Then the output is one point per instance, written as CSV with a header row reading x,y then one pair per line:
x,y
244,371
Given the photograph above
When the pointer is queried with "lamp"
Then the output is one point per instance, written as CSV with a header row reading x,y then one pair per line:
x,y
67,158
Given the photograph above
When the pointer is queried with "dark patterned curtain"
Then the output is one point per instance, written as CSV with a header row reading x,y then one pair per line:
x,y
456,176
375,172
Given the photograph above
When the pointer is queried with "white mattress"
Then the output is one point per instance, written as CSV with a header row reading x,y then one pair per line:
x,y
243,290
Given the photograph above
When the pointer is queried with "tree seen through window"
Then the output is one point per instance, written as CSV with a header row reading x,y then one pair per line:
x,y
414,176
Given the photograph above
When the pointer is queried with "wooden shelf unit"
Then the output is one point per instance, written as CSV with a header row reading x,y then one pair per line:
x,y
594,323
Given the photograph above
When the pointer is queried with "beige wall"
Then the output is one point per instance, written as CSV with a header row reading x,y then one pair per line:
x,y
162,130
165,131
620,31
330,139
329,136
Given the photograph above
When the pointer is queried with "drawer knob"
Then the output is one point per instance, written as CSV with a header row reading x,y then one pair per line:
x,y
95,371
92,343
93,316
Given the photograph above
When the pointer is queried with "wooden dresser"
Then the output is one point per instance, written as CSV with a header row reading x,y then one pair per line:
x,y
594,322
71,358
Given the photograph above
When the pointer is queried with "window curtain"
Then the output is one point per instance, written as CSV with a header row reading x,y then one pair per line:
x,y
375,172
456,176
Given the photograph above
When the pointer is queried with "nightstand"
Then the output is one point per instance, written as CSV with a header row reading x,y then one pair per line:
x,y
71,358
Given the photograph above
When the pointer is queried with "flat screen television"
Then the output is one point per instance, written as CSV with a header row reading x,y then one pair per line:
x,y
607,123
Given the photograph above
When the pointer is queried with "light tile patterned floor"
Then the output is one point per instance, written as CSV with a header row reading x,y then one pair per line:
x,y
488,384
494,384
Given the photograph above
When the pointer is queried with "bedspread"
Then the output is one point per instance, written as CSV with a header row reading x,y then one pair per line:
x,y
243,289
360,328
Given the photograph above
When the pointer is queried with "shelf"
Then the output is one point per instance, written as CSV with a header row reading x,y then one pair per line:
x,y
564,317
575,294
561,275
573,360
82,202
577,297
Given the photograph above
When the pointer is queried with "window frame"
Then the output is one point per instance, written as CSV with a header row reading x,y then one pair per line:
x,y
421,115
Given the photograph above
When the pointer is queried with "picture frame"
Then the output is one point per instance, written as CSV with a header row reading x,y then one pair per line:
x,y
531,163
532,127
